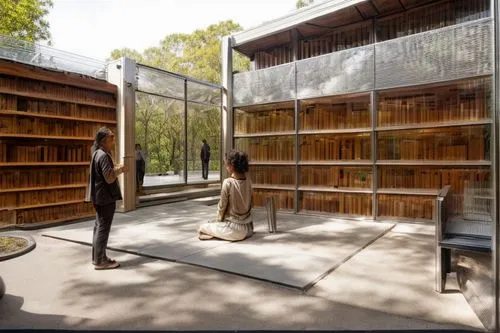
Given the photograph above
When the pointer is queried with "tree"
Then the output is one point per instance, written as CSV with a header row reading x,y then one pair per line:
x,y
25,19
303,3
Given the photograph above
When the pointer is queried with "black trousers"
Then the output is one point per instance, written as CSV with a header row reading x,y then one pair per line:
x,y
204,169
140,167
102,227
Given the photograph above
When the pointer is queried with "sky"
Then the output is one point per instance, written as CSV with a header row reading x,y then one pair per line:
x,y
93,28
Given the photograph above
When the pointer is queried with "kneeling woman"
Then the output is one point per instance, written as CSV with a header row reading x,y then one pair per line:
x,y
234,218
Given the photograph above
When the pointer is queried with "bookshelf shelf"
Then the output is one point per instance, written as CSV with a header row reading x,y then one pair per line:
x,y
264,134
351,162
4,90
434,125
271,162
273,187
409,191
40,188
48,116
48,137
335,131
335,190
434,163
59,203
28,164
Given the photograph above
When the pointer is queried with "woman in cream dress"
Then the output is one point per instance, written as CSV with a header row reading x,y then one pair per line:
x,y
234,219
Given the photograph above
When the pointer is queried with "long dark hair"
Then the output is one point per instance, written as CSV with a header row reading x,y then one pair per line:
x,y
101,134
238,159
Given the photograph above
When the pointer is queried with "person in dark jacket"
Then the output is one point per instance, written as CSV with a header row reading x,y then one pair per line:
x,y
140,167
103,191
205,158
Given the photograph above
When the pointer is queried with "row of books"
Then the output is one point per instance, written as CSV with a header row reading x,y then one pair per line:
x,y
268,121
267,148
466,144
28,198
274,57
284,199
337,177
272,175
31,154
335,116
409,206
42,177
441,14
73,211
55,108
337,203
338,147
49,127
430,107
433,178
7,217
54,90
8,102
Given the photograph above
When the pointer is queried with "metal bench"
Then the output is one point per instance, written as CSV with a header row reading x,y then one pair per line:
x,y
458,233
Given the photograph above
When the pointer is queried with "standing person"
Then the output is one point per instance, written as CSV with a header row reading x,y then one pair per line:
x,y
205,158
103,191
140,167
234,212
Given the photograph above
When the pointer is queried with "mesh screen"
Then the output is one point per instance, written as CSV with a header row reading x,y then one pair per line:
x,y
264,86
447,54
336,73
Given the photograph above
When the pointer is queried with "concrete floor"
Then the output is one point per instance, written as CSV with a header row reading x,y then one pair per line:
x,y
386,281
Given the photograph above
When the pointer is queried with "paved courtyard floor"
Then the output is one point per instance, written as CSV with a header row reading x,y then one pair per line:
x,y
315,273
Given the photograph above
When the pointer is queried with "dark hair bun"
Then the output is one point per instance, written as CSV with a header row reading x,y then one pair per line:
x,y
239,160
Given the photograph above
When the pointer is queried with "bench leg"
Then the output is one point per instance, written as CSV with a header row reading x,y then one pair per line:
x,y
442,267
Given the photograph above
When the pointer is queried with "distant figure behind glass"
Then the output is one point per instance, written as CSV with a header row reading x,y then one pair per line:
x,y
140,167
205,158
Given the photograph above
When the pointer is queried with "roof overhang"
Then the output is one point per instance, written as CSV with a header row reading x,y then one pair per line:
x,y
291,20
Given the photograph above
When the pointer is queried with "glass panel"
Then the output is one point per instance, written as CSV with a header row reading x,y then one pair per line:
x,y
471,143
335,113
273,84
464,101
272,175
408,206
155,81
337,203
432,17
273,148
335,147
203,124
197,92
284,199
443,55
159,130
336,177
336,73
265,118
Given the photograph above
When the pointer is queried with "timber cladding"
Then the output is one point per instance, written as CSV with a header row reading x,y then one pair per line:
x,y
48,121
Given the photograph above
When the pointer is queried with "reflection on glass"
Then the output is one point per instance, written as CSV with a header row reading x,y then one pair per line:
x,y
463,101
264,118
197,92
203,161
335,147
158,82
273,148
336,203
335,113
160,132
336,177
469,143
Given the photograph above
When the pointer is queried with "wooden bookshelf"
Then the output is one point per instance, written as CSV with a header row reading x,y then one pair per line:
x,y
407,206
336,177
271,118
47,124
284,199
335,147
264,149
273,175
336,203
335,189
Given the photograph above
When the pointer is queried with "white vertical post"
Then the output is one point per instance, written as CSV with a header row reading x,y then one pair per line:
x,y
227,96
122,73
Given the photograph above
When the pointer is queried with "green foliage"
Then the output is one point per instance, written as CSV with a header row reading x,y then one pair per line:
x,y
303,3
160,121
25,19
